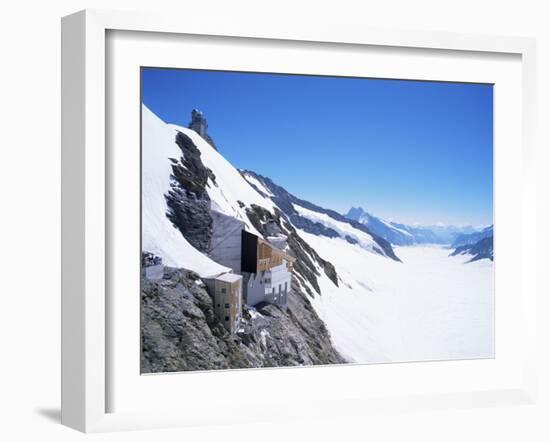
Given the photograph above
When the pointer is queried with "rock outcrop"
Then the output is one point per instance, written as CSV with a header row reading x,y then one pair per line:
x,y
188,201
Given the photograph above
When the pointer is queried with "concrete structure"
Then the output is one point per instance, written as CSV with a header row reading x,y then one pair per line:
x,y
271,286
226,242
151,266
278,241
226,292
154,272
198,123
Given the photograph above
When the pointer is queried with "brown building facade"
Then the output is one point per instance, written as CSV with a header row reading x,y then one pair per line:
x,y
226,292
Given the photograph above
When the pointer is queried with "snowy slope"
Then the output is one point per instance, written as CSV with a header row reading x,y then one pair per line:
x,y
159,236
430,307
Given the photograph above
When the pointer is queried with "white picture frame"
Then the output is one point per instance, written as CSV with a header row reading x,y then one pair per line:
x,y
86,214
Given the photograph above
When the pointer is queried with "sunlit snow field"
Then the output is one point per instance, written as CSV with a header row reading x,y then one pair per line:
x,y
429,307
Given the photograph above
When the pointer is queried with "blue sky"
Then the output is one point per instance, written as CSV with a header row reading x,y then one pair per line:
x,y
409,151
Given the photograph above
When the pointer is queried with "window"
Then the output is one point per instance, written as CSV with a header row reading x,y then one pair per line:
x,y
227,319
226,305
223,290
218,305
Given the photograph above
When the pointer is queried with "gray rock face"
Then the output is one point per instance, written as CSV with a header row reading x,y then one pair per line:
x,y
188,201
482,249
179,331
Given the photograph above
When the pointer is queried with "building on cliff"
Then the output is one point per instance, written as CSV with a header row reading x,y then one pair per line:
x,y
199,124
265,269
227,294
151,266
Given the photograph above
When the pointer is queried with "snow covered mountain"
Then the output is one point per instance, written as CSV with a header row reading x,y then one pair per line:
x,y
403,234
482,249
352,297
478,245
472,238
317,220
448,233
392,233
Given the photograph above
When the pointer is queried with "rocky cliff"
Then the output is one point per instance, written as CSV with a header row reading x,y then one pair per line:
x,y
188,201
180,333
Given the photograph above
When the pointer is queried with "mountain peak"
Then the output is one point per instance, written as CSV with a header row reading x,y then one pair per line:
x,y
355,213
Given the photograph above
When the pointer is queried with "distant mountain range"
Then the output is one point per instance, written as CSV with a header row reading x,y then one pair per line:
x,y
472,238
403,234
479,245
479,250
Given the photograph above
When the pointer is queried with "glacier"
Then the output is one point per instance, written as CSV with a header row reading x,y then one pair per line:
x,y
429,307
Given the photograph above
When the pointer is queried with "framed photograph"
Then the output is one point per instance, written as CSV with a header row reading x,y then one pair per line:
x,y
329,222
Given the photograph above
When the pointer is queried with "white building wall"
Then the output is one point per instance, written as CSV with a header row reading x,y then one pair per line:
x,y
271,286
280,285
154,272
254,288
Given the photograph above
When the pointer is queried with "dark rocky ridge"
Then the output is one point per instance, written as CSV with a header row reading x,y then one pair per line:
x,y
267,223
188,201
483,249
285,201
180,333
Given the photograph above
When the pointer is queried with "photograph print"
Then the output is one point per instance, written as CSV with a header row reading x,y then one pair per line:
x,y
300,220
